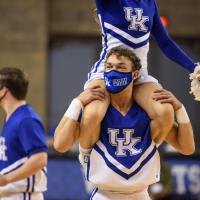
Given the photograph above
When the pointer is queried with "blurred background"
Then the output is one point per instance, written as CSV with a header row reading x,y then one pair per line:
x,y
56,42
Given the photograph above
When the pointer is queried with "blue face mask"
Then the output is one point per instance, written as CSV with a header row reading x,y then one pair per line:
x,y
117,81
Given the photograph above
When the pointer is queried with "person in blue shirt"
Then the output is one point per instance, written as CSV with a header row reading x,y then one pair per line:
x,y
23,149
125,160
130,23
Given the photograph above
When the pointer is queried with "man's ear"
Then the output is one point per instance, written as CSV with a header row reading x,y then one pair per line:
x,y
3,92
135,74
3,89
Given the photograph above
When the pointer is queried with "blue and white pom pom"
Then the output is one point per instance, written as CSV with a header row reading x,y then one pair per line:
x,y
195,83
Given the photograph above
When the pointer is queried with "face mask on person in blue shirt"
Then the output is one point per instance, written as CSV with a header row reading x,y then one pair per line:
x,y
117,81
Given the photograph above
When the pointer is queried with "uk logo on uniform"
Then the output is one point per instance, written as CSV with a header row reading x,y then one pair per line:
x,y
124,144
137,20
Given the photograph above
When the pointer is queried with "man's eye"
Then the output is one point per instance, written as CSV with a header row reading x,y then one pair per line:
x,y
120,67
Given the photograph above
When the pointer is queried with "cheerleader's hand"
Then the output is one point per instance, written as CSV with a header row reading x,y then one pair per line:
x,y
165,96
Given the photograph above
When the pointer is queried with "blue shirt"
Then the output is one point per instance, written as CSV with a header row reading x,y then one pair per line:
x,y
125,159
126,139
22,136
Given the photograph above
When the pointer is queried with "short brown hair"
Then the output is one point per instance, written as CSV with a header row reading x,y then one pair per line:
x,y
126,52
15,80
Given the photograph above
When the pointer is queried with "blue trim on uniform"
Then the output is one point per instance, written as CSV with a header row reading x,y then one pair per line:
x,y
102,57
88,169
24,196
93,193
28,184
44,172
13,169
33,186
127,42
98,63
116,170
38,150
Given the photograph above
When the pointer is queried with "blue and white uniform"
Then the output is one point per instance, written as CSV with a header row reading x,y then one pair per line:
x,y
130,23
125,161
22,136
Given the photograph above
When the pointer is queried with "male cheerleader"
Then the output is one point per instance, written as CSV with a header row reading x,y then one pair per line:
x,y
130,23
125,160
23,149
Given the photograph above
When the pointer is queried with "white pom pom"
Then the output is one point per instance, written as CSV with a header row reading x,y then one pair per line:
x,y
195,83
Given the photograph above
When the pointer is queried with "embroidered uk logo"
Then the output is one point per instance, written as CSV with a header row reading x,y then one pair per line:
x,y
124,144
137,20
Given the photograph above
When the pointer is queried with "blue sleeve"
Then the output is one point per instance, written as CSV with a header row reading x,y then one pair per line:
x,y
100,5
32,136
168,46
